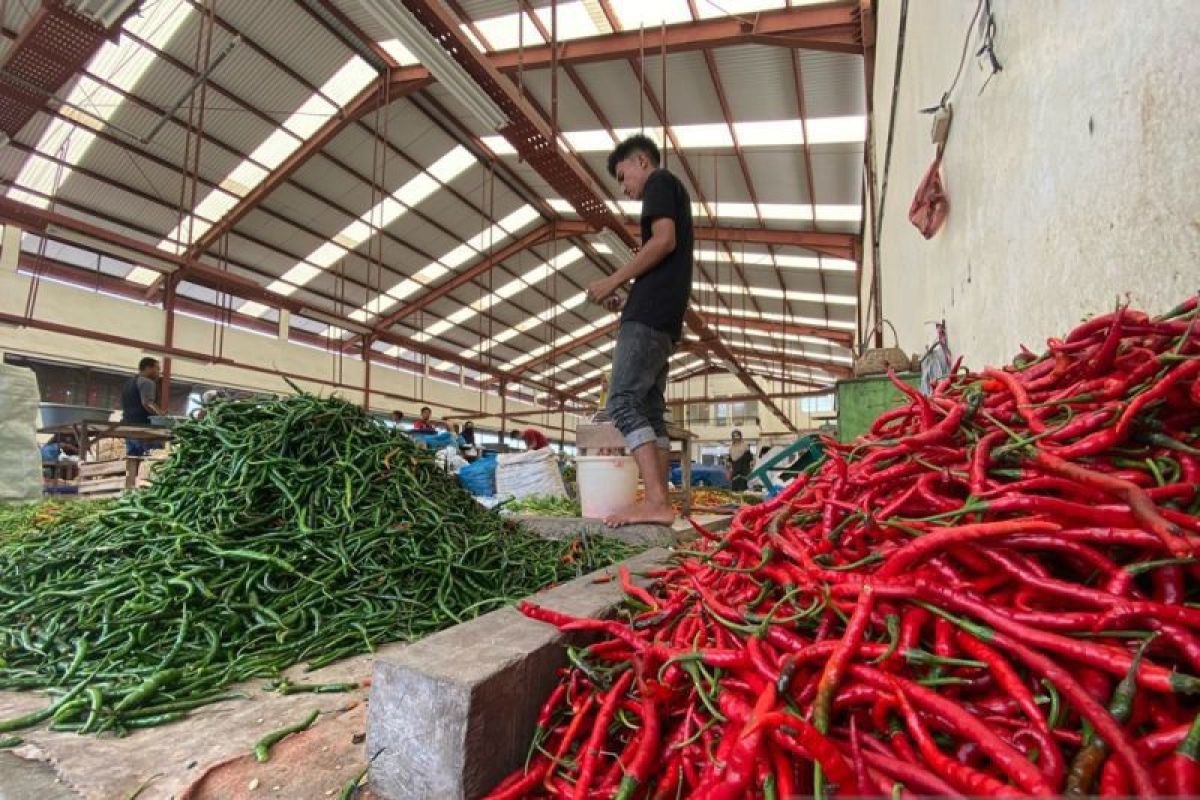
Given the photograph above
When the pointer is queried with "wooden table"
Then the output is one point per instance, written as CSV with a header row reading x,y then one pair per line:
x,y
89,431
605,436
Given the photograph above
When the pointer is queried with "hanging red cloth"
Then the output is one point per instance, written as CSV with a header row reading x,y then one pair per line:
x,y
930,204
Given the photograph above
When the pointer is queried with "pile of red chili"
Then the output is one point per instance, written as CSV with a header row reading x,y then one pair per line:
x,y
992,593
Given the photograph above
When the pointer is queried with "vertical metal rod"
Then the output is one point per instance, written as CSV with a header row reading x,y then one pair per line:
x,y
168,342
503,410
554,71
663,58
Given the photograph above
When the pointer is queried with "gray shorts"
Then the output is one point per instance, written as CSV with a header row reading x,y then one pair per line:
x,y
637,401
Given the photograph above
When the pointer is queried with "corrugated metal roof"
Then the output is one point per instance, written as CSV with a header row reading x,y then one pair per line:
x,y
758,81
833,84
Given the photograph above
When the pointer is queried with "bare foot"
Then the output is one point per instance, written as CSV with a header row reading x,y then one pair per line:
x,y
642,514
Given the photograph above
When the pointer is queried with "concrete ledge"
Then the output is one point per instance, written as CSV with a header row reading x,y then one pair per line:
x,y
646,535
452,714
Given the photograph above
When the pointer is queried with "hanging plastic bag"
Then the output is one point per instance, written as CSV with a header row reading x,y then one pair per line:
x,y
930,205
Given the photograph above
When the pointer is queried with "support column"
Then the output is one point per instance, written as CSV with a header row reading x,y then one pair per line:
x,y
366,357
503,410
164,390
562,426
285,322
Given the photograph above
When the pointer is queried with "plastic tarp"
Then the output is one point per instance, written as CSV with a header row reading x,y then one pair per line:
x,y
20,459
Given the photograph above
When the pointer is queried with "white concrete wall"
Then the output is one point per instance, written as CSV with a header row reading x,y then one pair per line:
x,y
1072,179
727,385
80,308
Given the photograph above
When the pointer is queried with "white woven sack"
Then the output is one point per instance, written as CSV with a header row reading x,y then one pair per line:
x,y
530,474
20,461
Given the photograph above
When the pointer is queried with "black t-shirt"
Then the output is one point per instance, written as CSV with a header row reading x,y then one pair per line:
x,y
659,298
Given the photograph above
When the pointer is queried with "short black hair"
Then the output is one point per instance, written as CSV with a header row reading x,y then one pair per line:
x,y
426,408
638,143
147,363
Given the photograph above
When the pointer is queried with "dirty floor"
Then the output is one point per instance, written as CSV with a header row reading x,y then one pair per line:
x,y
209,755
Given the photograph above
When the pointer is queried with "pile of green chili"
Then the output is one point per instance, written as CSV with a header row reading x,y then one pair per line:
x,y
278,532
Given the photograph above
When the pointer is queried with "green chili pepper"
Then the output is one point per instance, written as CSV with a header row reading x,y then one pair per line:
x,y
262,750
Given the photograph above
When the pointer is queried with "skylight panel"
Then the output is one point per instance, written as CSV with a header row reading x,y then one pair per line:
x,y
773,317
350,79
121,63
634,14
326,255
767,335
706,135
593,141
470,34
499,145
769,133
831,130
509,31
417,189
564,259
403,56
575,21
707,9
451,165
519,219
839,213
779,294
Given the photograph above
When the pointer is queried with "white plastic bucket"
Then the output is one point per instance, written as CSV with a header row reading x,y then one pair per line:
x,y
607,484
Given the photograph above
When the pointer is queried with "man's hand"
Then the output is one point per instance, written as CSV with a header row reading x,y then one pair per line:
x,y
601,290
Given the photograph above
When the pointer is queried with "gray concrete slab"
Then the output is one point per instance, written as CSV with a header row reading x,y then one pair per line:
x,y
108,768
645,535
452,714
21,779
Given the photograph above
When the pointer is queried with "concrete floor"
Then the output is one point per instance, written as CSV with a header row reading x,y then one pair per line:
x,y
65,766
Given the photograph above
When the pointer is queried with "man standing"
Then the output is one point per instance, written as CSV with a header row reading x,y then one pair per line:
x,y
652,319
138,402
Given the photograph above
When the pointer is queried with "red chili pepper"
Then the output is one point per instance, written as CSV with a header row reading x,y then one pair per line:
x,y
812,744
965,778
564,744
525,784
841,657
1185,764
1050,759
634,591
591,750
639,768
942,538
911,775
1141,505
1014,387
1003,755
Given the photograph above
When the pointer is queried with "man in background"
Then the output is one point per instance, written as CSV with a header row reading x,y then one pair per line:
x,y
652,319
741,462
425,423
534,439
139,402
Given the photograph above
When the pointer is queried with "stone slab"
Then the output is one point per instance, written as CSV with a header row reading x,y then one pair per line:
x,y
452,714
645,535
